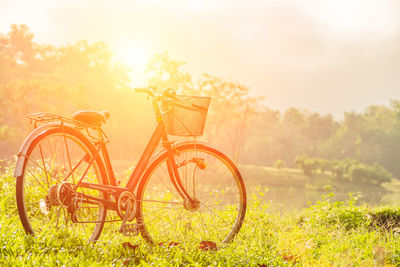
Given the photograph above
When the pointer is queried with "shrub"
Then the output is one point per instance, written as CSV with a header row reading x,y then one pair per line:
x,y
338,214
386,218
349,163
306,164
338,169
356,171
279,164
370,174
360,173
323,165
381,175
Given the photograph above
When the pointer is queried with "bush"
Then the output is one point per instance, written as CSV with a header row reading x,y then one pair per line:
x,y
360,173
337,214
351,168
306,164
348,164
370,174
386,218
347,215
323,165
279,164
381,175
338,169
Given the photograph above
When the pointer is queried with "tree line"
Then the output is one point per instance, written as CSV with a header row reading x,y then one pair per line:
x,y
63,79
350,170
372,136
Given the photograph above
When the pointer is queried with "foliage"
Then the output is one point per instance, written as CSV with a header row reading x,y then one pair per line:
x,y
306,164
326,233
231,111
371,136
324,165
63,79
372,174
386,218
345,214
354,170
336,214
166,73
338,168
279,164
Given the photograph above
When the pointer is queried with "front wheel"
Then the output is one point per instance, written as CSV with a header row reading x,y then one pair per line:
x,y
214,183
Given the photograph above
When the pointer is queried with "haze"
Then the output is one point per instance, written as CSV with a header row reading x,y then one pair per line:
x,y
325,56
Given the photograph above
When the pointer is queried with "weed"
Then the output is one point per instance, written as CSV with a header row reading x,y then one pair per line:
x,y
327,233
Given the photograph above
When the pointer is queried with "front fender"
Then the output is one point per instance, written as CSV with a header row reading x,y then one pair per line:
x,y
26,144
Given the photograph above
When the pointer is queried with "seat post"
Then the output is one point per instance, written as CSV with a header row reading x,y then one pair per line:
x,y
102,140
100,134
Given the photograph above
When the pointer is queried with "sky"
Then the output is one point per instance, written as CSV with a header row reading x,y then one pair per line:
x,y
325,56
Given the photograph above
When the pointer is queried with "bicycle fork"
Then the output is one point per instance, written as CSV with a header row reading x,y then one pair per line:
x,y
189,202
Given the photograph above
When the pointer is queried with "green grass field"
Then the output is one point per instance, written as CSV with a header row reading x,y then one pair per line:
x,y
324,234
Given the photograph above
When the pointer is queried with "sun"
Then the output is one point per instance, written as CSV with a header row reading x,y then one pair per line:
x,y
133,55
136,56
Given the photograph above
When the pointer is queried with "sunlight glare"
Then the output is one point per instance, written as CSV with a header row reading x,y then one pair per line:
x,y
135,56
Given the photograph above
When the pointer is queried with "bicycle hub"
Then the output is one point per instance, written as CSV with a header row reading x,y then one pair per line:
x,y
60,194
191,205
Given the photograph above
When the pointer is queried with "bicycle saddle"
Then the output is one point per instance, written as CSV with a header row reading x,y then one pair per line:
x,y
91,117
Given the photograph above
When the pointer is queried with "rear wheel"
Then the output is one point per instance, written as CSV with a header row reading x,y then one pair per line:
x,y
47,198
212,181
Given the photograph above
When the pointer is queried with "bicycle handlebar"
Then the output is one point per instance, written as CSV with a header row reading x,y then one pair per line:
x,y
169,93
152,92
157,96
144,90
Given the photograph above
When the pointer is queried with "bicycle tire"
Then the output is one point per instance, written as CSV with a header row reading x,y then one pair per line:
x,y
162,217
48,160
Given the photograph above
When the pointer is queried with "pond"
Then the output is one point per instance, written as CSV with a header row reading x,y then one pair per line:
x,y
284,199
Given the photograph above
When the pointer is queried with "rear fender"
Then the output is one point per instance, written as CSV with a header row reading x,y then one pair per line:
x,y
26,144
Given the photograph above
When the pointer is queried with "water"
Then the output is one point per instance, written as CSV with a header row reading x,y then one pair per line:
x,y
284,199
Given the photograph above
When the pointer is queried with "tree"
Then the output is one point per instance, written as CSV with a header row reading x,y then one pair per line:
x,y
166,73
62,80
319,128
306,164
231,110
263,131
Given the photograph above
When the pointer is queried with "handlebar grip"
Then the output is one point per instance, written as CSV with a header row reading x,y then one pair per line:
x,y
141,90
144,90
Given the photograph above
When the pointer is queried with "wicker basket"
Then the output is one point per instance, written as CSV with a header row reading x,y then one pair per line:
x,y
186,115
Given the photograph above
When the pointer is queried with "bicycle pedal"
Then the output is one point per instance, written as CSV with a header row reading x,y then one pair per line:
x,y
129,229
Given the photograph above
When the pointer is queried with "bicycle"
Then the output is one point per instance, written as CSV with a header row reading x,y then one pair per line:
x,y
187,192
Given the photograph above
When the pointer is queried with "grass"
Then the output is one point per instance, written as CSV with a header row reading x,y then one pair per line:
x,y
325,234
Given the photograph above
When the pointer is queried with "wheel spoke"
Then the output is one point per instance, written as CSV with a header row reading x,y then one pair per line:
x,y
160,201
69,158
37,165
37,180
216,188
54,157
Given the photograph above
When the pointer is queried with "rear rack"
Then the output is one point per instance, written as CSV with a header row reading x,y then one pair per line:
x,y
44,118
